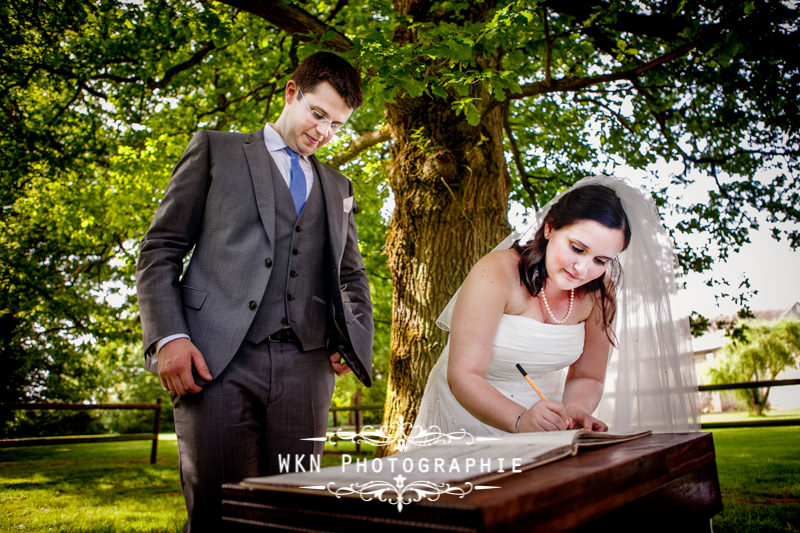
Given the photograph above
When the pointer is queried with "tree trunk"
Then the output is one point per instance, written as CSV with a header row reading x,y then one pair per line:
x,y
451,190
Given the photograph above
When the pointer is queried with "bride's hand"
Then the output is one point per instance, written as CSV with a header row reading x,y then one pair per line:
x,y
578,418
544,415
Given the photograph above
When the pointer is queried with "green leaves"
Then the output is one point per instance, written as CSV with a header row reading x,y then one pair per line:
x,y
77,190
101,96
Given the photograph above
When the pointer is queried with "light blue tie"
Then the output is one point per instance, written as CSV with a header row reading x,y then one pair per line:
x,y
297,181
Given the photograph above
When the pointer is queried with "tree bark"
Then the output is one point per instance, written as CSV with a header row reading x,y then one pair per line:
x,y
295,21
451,190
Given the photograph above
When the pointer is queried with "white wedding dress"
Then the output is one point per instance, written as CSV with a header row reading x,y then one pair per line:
x,y
650,379
545,351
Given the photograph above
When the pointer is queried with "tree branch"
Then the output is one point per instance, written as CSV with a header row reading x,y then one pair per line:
x,y
295,21
705,160
335,11
652,25
249,96
576,84
180,67
548,47
523,176
368,140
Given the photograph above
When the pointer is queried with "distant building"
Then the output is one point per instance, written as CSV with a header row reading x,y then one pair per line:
x,y
792,312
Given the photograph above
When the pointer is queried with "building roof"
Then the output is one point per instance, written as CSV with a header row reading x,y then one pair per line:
x,y
715,338
792,312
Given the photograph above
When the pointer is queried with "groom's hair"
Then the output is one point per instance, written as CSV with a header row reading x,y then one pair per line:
x,y
326,66
591,202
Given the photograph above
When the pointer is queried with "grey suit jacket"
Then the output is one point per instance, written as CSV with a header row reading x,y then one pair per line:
x,y
220,206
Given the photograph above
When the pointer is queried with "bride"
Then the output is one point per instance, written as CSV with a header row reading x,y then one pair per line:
x,y
584,307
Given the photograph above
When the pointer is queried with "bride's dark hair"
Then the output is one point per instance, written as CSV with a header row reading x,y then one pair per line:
x,y
592,202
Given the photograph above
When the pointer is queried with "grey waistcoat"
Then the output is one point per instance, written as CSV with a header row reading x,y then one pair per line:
x,y
297,293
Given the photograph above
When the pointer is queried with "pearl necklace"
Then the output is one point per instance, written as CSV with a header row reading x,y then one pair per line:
x,y
569,309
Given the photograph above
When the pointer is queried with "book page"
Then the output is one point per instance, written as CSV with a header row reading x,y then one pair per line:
x,y
598,438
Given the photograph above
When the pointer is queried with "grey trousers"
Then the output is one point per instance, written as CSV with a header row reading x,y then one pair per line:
x,y
269,398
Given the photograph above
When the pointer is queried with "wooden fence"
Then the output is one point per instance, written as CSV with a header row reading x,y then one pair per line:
x,y
702,388
335,411
358,421
156,407
751,423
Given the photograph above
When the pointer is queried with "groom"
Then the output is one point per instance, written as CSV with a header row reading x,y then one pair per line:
x,y
274,300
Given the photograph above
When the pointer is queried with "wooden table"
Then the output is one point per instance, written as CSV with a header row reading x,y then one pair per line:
x,y
663,482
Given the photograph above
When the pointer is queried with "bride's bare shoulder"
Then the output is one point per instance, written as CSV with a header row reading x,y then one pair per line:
x,y
500,262
497,269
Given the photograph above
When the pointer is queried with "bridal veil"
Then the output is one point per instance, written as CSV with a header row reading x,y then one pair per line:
x,y
650,382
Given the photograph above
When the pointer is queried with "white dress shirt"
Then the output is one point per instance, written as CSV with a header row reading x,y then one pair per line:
x,y
275,146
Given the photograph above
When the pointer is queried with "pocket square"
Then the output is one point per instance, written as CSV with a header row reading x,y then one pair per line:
x,y
347,204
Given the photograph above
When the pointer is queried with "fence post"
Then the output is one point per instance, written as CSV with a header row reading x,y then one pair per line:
x,y
356,404
359,420
156,431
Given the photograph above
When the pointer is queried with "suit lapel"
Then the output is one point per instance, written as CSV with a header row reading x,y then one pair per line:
x,y
334,211
262,170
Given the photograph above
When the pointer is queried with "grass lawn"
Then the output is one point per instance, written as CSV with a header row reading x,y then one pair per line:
x,y
759,474
91,487
113,487
108,486
736,416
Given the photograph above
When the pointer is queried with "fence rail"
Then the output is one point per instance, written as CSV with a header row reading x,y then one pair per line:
x,y
33,441
358,409
358,419
749,385
750,423
702,388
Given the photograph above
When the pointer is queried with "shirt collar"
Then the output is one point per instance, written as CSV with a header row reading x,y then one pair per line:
x,y
274,141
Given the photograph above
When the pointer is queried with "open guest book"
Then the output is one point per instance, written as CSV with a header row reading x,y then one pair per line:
x,y
466,460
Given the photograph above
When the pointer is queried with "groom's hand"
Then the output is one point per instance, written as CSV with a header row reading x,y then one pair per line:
x,y
338,365
175,362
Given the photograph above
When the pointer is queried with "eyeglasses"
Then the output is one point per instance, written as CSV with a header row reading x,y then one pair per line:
x,y
319,118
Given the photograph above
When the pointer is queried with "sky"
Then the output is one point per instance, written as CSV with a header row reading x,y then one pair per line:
x,y
772,267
